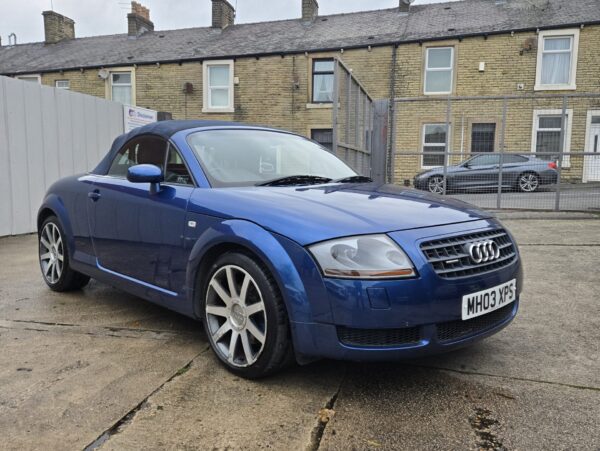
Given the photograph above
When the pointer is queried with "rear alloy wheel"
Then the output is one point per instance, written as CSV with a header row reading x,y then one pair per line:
x,y
435,184
54,259
528,182
245,318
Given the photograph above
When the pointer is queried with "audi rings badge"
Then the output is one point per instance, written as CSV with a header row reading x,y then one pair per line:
x,y
483,251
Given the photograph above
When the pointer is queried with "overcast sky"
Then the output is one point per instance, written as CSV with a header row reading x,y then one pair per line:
x,y
97,17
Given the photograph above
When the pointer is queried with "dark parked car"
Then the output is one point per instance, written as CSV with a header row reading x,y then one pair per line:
x,y
279,248
525,173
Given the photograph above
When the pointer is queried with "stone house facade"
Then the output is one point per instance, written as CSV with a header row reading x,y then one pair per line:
x,y
280,73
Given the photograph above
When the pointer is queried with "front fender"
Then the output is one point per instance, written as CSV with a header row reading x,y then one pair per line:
x,y
268,249
55,203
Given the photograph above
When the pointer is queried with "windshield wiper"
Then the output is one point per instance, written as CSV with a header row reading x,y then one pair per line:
x,y
354,179
295,180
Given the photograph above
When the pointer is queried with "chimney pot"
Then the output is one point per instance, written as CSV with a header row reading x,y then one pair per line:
x,y
310,10
223,14
57,27
138,20
405,6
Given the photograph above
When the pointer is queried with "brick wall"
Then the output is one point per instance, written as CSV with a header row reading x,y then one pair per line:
x,y
275,90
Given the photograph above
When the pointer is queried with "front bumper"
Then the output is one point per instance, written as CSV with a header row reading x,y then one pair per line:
x,y
322,340
420,311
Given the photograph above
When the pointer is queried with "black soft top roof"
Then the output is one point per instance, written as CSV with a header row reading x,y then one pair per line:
x,y
165,129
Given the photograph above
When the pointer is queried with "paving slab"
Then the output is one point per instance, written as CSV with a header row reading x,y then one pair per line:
x,y
209,408
73,364
400,407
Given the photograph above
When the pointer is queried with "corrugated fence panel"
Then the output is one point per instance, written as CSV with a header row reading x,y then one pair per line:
x,y
17,152
46,134
5,184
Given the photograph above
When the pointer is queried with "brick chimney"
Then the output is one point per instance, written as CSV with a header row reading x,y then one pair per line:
x,y
310,10
223,14
138,20
405,6
57,27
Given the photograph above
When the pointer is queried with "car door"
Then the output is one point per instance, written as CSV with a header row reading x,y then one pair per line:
x,y
481,171
137,233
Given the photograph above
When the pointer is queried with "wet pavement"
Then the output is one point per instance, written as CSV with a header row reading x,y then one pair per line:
x,y
100,369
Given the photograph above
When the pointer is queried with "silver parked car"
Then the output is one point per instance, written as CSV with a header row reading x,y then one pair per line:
x,y
525,173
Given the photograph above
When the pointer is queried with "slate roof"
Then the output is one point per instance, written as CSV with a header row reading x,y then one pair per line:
x,y
424,22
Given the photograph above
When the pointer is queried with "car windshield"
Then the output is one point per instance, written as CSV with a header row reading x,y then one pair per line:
x,y
239,157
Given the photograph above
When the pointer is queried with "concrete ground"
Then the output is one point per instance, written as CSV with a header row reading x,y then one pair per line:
x,y
575,197
99,369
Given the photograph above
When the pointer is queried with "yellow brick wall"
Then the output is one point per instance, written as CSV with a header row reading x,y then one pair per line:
x,y
505,68
275,91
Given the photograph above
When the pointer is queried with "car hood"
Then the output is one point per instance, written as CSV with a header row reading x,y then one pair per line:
x,y
317,213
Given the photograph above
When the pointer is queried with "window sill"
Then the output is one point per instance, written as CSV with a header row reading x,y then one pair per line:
x,y
438,94
555,87
218,110
319,106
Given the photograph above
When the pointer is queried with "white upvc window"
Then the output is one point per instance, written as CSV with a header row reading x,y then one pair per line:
x,y
218,86
121,87
557,60
545,139
31,78
434,145
62,84
439,70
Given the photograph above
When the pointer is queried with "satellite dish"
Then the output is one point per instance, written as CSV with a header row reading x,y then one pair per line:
x,y
103,74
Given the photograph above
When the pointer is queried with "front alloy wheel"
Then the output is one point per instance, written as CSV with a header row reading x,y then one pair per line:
x,y
435,184
529,182
235,313
54,258
245,317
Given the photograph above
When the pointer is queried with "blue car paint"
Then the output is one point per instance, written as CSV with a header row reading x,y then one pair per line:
x,y
276,224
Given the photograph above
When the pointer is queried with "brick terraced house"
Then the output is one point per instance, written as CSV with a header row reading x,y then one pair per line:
x,y
280,73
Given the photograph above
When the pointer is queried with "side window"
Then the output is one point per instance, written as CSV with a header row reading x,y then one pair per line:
x,y
177,171
514,159
484,160
146,150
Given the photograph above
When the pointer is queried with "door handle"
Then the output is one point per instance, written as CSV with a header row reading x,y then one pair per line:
x,y
94,195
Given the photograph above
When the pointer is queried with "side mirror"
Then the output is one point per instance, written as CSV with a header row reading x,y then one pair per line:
x,y
144,173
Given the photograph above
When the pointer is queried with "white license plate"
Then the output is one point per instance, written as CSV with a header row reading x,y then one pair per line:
x,y
486,301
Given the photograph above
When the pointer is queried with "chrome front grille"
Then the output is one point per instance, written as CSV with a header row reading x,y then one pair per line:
x,y
451,260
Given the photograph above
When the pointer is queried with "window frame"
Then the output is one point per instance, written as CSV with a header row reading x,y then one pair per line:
x,y
322,129
26,77
206,95
443,146
572,33
108,83
68,88
314,72
171,146
128,143
568,131
494,141
426,70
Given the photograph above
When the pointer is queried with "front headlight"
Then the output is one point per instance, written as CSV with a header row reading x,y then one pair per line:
x,y
362,257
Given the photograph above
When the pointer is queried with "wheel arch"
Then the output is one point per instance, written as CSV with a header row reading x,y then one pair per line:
x,y
248,238
53,206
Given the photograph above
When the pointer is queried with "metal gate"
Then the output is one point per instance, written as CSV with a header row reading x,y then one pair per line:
x,y
528,151
353,121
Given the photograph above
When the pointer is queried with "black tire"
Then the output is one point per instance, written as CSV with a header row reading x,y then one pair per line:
x,y
277,351
528,182
68,279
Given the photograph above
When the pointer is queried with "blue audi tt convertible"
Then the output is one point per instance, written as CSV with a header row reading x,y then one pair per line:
x,y
281,250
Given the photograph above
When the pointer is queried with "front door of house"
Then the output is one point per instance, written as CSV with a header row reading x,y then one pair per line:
x,y
591,167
